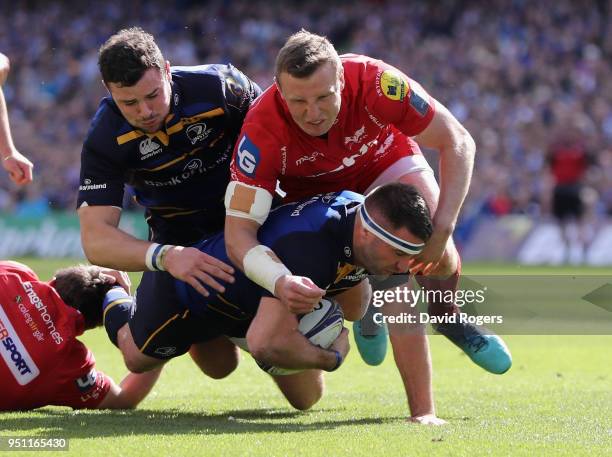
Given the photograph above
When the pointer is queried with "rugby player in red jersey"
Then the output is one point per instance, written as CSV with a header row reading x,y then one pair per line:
x,y
41,360
332,122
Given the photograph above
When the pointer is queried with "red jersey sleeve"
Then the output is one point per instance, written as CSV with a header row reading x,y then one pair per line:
x,y
24,272
394,98
257,158
80,385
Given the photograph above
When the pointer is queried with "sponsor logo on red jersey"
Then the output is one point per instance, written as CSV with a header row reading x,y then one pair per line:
x,y
15,354
44,313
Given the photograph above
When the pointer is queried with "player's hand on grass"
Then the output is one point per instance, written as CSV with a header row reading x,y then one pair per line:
x,y
197,268
341,344
299,294
427,419
120,278
18,167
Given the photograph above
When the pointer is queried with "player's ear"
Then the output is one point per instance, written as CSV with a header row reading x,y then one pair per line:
x,y
167,71
341,77
278,87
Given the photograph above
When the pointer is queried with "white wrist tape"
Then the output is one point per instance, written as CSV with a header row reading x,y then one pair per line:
x,y
154,258
247,202
263,267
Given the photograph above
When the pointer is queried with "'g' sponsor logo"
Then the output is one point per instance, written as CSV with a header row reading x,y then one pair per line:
x,y
14,353
393,85
197,132
248,157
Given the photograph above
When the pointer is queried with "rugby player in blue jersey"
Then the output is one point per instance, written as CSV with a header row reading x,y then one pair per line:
x,y
330,238
168,134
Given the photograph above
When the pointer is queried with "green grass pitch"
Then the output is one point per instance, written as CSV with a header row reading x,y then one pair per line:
x,y
556,400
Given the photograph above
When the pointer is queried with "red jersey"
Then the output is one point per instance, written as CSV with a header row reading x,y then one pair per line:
x,y
41,361
568,163
381,109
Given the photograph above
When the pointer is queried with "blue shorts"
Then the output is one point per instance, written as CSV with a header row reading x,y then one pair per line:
x,y
161,326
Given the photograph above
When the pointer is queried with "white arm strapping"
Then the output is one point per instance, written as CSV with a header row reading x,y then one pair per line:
x,y
247,202
263,267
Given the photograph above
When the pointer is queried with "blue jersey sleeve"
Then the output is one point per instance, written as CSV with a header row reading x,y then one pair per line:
x,y
102,176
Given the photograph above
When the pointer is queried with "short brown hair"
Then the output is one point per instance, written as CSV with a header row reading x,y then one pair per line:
x,y
303,53
127,55
82,287
402,205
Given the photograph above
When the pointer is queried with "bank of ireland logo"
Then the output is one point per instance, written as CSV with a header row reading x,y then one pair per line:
x,y
197,132
393,85
193,165
247,157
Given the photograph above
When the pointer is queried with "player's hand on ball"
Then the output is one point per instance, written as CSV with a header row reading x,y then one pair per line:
x,y
341,344
427,419
197,268
299,294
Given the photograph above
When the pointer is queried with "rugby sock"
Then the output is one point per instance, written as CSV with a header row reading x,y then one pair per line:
x,y
116,309
440,307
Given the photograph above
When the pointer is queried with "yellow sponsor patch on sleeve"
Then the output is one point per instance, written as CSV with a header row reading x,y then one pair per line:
x,y
393,86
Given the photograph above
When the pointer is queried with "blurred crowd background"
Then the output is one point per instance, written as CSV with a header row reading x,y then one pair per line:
x,y
528,79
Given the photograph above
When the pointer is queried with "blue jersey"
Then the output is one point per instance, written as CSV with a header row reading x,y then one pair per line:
x,y
313,238
179,174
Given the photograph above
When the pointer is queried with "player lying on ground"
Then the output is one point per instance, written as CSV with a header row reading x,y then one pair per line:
x,y
331,238
43,362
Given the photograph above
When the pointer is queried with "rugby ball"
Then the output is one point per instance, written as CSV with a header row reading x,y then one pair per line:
x,y
321,326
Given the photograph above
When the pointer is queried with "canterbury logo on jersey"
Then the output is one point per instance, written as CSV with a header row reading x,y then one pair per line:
x,y
148,148
14,353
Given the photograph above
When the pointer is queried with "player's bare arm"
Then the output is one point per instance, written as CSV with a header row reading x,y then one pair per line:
x,y
107,245
273,338
132,390
247,208
457,149
354,301
5,66
18,167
